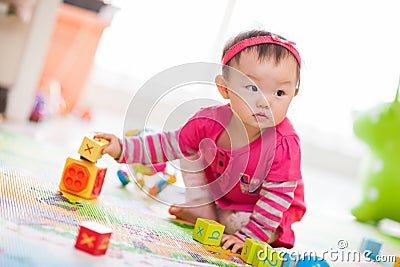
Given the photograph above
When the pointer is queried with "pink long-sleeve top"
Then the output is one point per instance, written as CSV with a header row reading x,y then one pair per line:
x,y
263,177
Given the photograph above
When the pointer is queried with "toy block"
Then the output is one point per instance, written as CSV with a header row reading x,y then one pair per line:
x,y
93,238
91,148
82,178
266,256
370,248
250,248
208,232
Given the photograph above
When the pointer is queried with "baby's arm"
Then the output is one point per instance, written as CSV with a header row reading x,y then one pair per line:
x,y
277,194
275,199
159,147
150,149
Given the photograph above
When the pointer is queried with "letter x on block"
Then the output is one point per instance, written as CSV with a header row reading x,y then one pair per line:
x,y
200,230
87,240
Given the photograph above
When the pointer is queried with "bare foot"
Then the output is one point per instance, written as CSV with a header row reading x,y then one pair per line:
x,y
190,214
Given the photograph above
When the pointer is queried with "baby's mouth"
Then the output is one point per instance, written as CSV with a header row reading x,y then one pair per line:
x,y
261,116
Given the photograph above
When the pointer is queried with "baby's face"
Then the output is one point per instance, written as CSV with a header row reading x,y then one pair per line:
x,y
261,97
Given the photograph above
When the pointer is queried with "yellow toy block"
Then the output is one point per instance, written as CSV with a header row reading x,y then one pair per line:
x,y
91,148
82,178
250,249
208,232
397,262
267,257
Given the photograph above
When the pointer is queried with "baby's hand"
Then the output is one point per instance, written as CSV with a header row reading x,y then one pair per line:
x,y
114,148
231,240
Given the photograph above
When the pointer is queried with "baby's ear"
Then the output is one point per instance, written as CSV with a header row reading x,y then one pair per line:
x,y
296,91
222,86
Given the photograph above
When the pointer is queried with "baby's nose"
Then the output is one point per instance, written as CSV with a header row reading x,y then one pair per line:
x,y
262,102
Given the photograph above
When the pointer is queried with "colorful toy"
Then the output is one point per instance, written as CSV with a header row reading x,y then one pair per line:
x,y
370,248
143,170
149,170
91,148
208,232
82,178
39,108
162,184
140,171
93,238
380,129
123,176
250,249
311,261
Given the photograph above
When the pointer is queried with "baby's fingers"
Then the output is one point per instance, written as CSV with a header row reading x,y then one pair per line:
x,y
224,238
106,150
108,137
228,243
237,247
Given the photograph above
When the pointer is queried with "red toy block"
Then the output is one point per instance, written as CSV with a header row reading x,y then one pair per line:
x,y
93,238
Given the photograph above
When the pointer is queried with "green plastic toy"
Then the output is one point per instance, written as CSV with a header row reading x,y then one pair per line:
x,y
379,128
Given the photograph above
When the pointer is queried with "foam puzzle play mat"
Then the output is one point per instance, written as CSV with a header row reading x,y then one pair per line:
x,y
42,225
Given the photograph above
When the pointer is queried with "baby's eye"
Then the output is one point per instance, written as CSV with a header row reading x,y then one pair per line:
x,y
279,93
252,88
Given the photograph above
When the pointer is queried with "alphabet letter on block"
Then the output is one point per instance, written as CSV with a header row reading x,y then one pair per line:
x,y
208,232
250,248
91,148
267,257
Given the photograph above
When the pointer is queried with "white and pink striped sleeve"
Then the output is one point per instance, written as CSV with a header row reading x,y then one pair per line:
x,y
154,148
171,145
275,199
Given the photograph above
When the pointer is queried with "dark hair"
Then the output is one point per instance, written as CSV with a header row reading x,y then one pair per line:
x,y
274,51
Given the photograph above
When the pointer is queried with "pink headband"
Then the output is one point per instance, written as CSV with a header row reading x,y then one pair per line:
x,y
269,39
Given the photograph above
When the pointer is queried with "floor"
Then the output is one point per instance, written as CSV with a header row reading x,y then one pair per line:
x,y
329,195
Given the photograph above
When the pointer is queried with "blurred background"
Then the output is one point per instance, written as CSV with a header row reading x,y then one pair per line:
x,y
70,68
88,59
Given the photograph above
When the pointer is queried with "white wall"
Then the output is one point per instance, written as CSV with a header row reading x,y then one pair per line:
x,y
13,35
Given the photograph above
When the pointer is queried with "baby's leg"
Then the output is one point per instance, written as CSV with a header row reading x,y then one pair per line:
x,y
190,214
199,202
